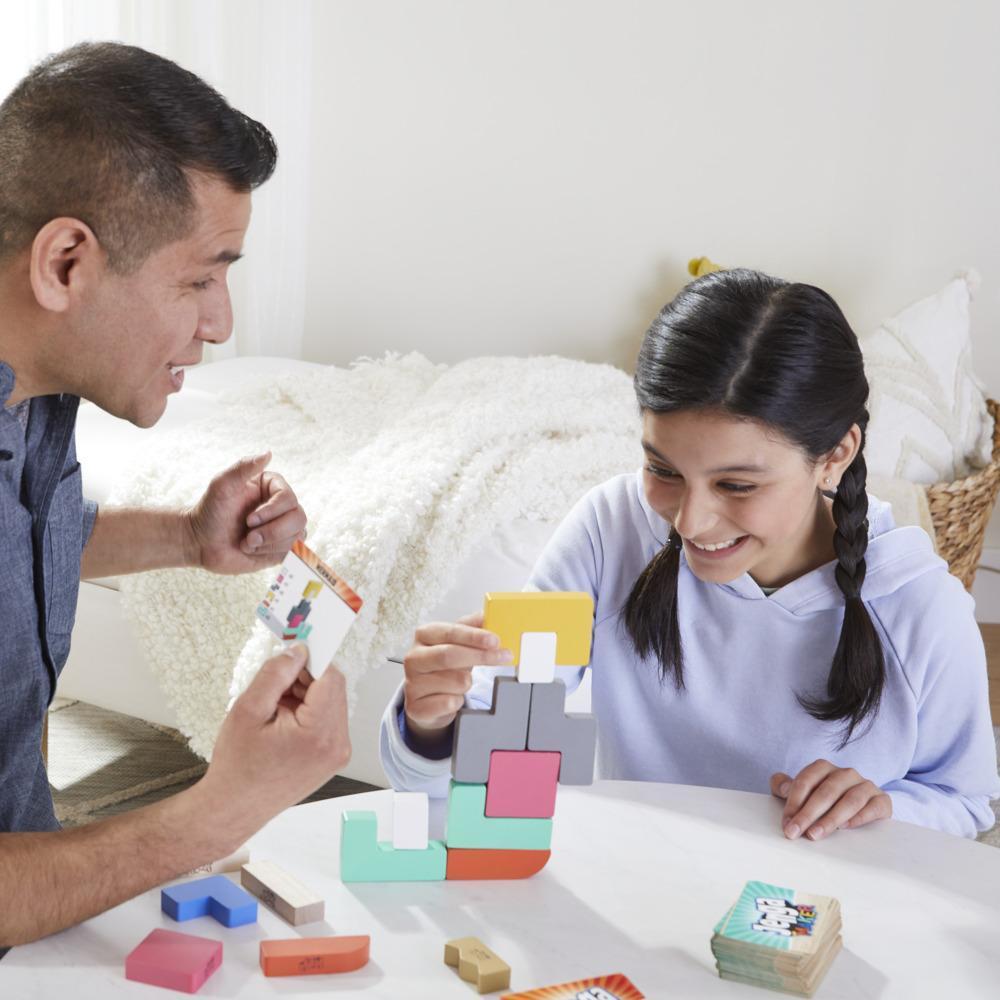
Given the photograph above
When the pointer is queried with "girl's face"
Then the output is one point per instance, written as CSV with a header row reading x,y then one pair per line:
x,y
742,497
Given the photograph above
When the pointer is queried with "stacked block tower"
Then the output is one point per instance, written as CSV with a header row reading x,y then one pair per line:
x,y
507,761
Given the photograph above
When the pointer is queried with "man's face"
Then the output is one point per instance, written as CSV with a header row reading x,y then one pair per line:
x,y
140,330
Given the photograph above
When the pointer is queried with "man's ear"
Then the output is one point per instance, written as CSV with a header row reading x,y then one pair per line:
x,y
65,258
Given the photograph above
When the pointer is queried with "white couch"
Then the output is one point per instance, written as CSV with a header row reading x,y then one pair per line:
x,y
106,666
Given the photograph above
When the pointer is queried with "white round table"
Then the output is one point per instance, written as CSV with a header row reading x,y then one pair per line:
x,y
639,875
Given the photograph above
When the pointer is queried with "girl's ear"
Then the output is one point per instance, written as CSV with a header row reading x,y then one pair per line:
x,y
831,469
65,259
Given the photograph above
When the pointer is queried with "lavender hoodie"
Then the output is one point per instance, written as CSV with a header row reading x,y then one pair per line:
x,y
746,655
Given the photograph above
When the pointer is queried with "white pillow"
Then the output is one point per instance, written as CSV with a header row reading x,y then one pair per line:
x,y
929,421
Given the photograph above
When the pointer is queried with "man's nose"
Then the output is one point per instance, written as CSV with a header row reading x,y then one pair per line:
x,y
215,323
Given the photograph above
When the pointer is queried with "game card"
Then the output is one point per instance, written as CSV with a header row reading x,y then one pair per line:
x,y
307,602
613,987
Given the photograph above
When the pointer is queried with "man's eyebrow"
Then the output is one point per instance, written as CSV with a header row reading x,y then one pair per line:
x,y
223,257
712,472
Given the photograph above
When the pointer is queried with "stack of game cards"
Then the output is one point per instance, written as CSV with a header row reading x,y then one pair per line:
x,y
778,938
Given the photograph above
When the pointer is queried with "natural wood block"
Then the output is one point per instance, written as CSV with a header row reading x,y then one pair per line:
x,y
286,895
477,964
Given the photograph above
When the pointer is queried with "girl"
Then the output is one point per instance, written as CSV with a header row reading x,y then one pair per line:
x,y
760,623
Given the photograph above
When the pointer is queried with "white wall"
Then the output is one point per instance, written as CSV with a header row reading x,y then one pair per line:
x,y
532,176
515,176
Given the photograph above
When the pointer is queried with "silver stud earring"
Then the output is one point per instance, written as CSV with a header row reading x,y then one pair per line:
x,y
826,481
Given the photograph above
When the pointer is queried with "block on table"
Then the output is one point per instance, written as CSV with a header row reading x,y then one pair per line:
x,y
466,863
523,783
469,826
410,813
364,859
283,893
478,733
314,956
477,964
173,960
214,896
573,734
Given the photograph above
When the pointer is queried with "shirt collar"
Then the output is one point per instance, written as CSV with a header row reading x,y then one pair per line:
x,y
6,382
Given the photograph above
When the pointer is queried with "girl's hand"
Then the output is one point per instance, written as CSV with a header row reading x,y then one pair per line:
x,y
439,671
823,798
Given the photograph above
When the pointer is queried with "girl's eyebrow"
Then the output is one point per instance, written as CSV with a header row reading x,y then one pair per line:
x,y
759,469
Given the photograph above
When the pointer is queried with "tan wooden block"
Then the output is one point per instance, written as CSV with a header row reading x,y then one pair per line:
x,y
477,964
286,895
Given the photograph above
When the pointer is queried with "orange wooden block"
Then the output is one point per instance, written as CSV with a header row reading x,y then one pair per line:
x,y
312,956
482,863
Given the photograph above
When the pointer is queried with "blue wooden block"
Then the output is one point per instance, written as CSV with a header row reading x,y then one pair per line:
x,y
214,896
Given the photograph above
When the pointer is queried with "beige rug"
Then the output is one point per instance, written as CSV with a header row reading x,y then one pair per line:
x,y
101,763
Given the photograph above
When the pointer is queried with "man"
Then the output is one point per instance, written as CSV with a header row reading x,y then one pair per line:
x,y
124,197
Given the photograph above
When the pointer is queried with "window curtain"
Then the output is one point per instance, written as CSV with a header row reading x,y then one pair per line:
x,y
258,57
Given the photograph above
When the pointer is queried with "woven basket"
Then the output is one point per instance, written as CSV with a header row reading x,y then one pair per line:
x,y
961,510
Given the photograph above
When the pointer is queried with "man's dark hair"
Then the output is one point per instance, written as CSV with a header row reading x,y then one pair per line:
x,y
110,134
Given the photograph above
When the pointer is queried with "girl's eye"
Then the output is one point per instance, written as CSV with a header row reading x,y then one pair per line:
x,y
203,285
737,487
660,472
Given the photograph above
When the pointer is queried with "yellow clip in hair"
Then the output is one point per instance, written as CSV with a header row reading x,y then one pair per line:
x,y
697,266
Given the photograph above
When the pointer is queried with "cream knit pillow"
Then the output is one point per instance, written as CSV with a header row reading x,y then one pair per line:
x,y
929,421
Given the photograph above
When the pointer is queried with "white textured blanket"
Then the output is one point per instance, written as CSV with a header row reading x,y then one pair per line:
x,y
402,466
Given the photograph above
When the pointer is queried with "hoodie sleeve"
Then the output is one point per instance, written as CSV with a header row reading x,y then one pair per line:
x,y
953,773
566,563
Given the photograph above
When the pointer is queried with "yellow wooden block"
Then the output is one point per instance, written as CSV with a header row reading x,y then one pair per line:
x,y
570,615
477,964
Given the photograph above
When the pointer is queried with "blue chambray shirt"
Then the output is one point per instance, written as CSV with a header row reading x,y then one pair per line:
x,y
44,524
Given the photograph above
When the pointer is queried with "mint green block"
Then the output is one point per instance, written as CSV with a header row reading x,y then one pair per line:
x,y
469,826
364,859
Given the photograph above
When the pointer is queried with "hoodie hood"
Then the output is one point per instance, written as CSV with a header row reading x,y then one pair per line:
x,y
894,557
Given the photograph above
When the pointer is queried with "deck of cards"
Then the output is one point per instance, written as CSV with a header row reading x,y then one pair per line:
x,y
307,602
778,938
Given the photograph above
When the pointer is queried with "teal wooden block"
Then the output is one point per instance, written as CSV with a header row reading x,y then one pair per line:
x,y
364,859
469,826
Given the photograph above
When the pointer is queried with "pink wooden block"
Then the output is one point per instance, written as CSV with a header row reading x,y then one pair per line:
x,y
173,960
522,783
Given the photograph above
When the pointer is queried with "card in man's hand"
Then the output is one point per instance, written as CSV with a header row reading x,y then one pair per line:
x,y
307,602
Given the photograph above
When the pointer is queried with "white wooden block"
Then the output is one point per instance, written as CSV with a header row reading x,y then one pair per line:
x,y
409,821
283,893
537,662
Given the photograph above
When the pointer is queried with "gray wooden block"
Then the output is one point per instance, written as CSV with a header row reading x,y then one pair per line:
x,y
478,732
286,895
574,735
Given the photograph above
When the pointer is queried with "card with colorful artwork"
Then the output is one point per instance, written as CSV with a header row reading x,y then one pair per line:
x,y
612,987
307,602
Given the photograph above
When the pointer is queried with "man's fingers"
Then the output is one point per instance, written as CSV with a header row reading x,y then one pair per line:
x,y
273,679
281,498
276,536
